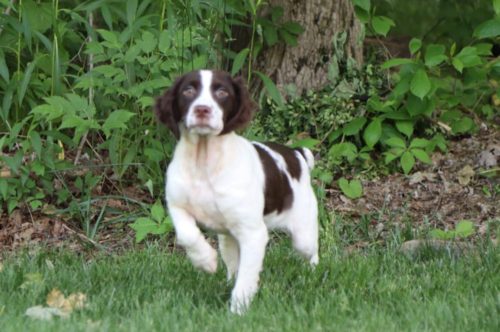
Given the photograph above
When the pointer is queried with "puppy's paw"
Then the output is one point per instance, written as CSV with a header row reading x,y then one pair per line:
x,y
239,306
241,299
204,258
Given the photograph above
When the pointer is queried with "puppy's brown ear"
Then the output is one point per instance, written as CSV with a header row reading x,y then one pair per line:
x,y
167,110
243,109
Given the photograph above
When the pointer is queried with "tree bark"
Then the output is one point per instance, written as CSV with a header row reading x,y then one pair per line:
x,y
306,65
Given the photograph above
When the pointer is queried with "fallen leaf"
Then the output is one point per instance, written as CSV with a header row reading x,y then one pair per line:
x,y
44,313
60,155
5,173
77,300
56,299
465,175
419,177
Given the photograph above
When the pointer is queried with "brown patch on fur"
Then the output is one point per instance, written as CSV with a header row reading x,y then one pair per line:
x,y
172,106
243,108
278,193
292,162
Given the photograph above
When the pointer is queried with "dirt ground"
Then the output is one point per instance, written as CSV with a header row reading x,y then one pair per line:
x,y
461,184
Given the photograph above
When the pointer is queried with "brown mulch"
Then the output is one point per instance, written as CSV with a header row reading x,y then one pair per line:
x,y
453,188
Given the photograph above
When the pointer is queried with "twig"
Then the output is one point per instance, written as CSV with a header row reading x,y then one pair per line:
x,y
80,148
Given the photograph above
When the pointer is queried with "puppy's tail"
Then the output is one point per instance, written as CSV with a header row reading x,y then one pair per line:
x,y
308,156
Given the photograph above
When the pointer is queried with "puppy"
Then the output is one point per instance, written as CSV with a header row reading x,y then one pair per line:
x,y
240,189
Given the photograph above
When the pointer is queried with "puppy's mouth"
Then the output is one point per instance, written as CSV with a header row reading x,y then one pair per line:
x,y
200,124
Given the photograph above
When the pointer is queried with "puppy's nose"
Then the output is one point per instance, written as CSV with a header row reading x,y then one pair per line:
x,y
202,111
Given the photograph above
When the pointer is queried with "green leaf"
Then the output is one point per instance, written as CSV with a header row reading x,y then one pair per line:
x,y
420,84
158,212
239,60
72,121
110,38
407,161
483,49
382,25
469,57
415,45
353,127
164,41
38,168
373,132
459,66
149,185
464,228
406,127
362,15
335,134
422,156
351,189
289,38
271,88
396,142
390,156
421,143
36,142
488,29
345,149
148,42
364,4
308,142
434,55
4,69
293,27
496,6
271,35
442,235
26,80
144,226
463,125
276,13
116,119
131,11
439,141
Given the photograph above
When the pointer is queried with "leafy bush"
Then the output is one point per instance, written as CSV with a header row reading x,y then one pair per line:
x,y
78,80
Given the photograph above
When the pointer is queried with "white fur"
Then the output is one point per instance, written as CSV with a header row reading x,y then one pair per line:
x,y
215,124
218,182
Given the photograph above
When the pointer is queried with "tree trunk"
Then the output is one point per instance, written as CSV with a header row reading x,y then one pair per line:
x,y
306,65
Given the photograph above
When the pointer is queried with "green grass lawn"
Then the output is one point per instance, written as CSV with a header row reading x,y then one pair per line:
x,y
152,289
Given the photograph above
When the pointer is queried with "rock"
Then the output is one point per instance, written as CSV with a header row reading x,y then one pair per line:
x,y
413,248
489,157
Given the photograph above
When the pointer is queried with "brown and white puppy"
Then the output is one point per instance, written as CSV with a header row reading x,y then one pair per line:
x,y
237,188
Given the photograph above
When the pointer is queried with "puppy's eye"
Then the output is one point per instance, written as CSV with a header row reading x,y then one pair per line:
x,y
221,93
189,92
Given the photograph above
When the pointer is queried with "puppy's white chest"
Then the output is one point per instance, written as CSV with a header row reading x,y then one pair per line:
x,y
203,203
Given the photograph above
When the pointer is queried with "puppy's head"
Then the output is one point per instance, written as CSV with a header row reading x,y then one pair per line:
x,y
205,102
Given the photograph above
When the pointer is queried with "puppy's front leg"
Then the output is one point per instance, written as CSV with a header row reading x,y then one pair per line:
x,y
252,243
202,255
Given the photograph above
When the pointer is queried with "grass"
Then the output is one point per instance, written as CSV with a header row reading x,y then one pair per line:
x,y
153,289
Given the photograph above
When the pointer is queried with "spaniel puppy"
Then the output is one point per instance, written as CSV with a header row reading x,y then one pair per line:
x,y
220,181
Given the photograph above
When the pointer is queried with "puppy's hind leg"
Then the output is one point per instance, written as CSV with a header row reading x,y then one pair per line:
x,y
230,253
304,232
